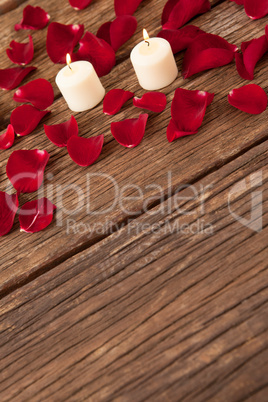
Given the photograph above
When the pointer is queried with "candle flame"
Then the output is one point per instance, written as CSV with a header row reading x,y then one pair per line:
x,y
68,59
145,35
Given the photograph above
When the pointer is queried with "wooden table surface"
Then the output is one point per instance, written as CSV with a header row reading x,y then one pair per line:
x,y
127,304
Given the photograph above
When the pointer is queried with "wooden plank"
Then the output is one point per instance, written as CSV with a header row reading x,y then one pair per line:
x,y
225,134
151,314
8,5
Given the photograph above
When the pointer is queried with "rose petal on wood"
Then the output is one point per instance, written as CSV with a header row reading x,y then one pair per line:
x,y
249,98
21,53
129,132
126,7
38,92
7,138
176,13
85,151
25,169
115,99
33,18
59,134
256,9
180,39
154,101
26,118
80,4
8,209
36,215
10,78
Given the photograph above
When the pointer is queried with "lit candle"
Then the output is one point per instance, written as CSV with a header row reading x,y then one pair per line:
x,y
80,85
154,63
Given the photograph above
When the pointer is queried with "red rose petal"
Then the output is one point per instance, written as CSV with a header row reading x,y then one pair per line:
x,y
249,98
187,110
256,9
129,132
36,215
96,51
119,31
38,92
252,53
25,169
85,151
10,78
114,100
26,118
59,134
33,18
126,7
21,53
80,4
8,209
205,52
180,39
61,39
177,12
7,139
154,101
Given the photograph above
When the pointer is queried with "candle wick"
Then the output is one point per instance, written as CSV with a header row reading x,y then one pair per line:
x,y
69,66
148,43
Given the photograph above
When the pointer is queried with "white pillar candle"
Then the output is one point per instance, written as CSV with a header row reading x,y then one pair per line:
x,y
154,63
80,85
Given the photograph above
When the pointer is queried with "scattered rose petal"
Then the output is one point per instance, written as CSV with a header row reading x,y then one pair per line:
x,y
8,209
85,151
154,101
180,39
38,92
26,118
33,18
252,52
177,12
129,132
10,78
25,169
7,138
126,7
119,31
21,53
96,51
59,134
114,100
256,9
62,39
36,215
80,4
205,52
187,110
249,98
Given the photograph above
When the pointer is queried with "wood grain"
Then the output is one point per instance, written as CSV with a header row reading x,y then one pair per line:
x,y
150,315
225,134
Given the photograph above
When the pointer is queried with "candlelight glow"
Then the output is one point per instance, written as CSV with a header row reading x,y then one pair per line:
x,y
68,59
145,35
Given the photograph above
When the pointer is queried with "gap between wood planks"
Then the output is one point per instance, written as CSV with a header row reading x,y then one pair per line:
x,y
119,225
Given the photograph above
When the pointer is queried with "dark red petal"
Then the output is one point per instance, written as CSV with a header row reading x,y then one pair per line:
x,y
121,30
96,51
180,39
126,7
205,52
33,18
239,2
25,169
129,132
38,92
256,9
36,215
177,12
188,109
266,31
26,118
21,53
114,100
252,51
80,4
85,151
154,101
59,134
104,32
10,78
250,99
8,209
173,132
7,138
62,39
